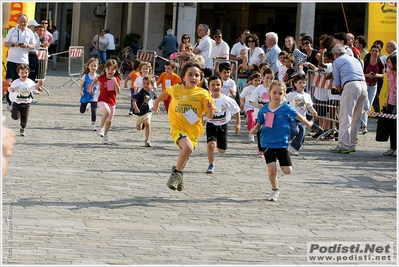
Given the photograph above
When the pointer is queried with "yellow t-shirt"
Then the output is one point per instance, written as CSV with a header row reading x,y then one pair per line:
x,y
183,100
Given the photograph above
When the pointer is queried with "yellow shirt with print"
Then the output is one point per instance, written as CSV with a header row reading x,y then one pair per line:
x,y
184,99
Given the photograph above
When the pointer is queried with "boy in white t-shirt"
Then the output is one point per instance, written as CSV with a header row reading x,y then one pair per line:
x,y
302,102
282,70
229,86
20,94
259,97
216,128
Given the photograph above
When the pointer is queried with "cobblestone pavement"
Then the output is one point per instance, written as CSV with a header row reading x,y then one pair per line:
x,y
68,199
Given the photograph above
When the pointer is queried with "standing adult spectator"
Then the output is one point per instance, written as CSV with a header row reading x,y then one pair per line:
x,y
47,37
361,45
340,38
348,79
100,42
19,41
185,40
311,53
391,48
32,25
111,43
54,43
168,46
350,42
291,48
255,54
220,48
380,82
204,48
40,31
373,70
237,47
272,52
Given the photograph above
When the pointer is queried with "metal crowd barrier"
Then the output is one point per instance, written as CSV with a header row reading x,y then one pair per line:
x,y
233,64
42,60
75,64
148,56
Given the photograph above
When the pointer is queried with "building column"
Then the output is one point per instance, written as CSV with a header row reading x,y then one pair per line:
x,y
305,18
113,19
186,21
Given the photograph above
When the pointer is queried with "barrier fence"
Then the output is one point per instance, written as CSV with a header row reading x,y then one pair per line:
x,y
148,56
75,64
327,104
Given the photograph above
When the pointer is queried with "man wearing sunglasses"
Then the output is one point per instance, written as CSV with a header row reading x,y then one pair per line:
x,y
47,37
237,47
220,49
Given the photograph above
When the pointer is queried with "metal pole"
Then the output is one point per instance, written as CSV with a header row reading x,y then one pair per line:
x,y
146,20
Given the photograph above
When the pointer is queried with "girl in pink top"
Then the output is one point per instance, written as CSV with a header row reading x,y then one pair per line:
x,y
110,82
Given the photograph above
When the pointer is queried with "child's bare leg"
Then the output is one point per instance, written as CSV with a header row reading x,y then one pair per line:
x,y
286,169
211,152
105,116
186,149
272,170
147,124
107,126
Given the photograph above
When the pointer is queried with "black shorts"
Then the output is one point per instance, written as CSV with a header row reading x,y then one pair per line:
x,y
272,154
217,134
321,107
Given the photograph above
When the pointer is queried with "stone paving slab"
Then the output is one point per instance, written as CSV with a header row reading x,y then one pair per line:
x,y
68,199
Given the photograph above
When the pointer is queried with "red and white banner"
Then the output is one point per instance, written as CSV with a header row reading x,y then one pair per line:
x,y
75,52
319,80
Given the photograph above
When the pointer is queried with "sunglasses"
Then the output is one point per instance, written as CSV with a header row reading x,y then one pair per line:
x,y
44,22
217,36
305,43
186,37
251,41
246,33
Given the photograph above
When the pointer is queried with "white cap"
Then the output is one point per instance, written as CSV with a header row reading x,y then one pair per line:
x,y
33,23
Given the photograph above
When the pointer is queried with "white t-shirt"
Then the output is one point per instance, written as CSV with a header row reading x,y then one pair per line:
x,y
246,92
225,108
205,46
111,41
227,85
220,49
260,96
282,70
300,101
17,54
254,58
237,47
139,83
22,91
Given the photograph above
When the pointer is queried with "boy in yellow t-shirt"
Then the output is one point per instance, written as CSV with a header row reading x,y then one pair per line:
x,y
187,106
167,79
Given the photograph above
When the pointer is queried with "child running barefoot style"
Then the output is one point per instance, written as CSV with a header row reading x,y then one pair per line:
x,y
87,99
216,128
273,122
188,104
110,82
20,94
302,102
143,102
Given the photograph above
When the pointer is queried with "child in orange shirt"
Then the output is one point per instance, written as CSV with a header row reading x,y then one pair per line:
x,y
167,79
132,76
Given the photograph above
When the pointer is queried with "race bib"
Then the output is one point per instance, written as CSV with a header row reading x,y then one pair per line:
x,y
190,116
269,119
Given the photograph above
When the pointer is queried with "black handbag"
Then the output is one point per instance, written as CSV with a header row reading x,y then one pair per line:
x,y
383,124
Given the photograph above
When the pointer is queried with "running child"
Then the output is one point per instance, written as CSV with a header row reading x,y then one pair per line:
x,y
229,86
216,128
20,95
189,103
145,69
168,78
273,122
259,97
110,81
87,99
132,77
143,102
302,102
255,80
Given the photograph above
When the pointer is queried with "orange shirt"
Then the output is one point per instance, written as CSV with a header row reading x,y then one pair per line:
x,y
168,81
133,75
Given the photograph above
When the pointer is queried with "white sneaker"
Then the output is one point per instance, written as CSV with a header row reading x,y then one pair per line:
x,y
36,92
274,195
105,140
93,127
88,107
293,151
9,106
251,138
390,152
100,132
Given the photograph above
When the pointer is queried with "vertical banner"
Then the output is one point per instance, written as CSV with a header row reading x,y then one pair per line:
x,y
11,10
382,26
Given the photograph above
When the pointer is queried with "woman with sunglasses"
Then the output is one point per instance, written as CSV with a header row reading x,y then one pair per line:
x,y
255,54
310,52
291,48
185,40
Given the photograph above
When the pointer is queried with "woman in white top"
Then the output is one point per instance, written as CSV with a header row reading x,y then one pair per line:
x,y
100,42
255,54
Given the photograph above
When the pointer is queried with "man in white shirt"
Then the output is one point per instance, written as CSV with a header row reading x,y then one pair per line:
x,y
111,43
220,49
204,48
237,47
